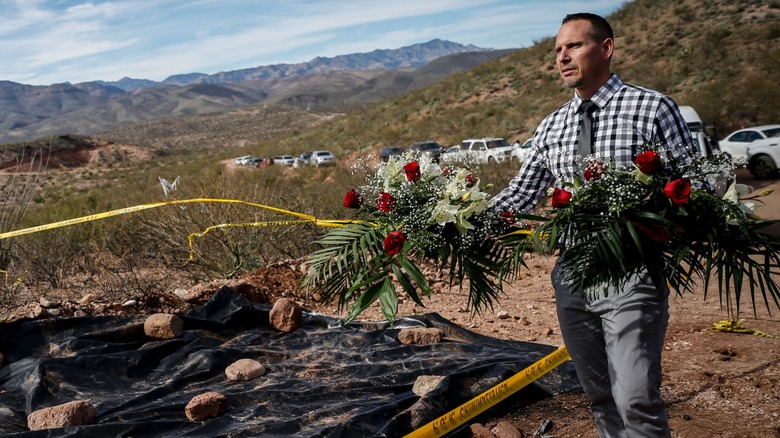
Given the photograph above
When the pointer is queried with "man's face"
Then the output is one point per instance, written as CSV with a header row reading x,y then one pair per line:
x,y
582,62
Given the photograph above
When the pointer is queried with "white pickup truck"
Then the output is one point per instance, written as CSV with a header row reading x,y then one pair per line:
x,y
481,150
707,144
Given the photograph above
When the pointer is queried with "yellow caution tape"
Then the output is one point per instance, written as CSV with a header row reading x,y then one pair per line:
x,y
192,236
305,217
734,326
456,417
16,282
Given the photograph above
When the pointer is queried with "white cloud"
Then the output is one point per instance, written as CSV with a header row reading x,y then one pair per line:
x,y
54,41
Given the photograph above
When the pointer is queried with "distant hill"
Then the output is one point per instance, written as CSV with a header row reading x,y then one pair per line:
x,y
28,112
416,55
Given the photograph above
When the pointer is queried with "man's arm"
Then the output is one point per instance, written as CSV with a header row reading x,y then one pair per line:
x,y
673,130
527,188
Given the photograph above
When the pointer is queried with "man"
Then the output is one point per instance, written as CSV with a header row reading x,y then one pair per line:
x,y
615,341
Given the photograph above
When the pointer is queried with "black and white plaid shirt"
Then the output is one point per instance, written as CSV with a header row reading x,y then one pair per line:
x,y
627,118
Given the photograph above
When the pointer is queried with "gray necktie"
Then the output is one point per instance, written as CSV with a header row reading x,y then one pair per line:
x,y
585,147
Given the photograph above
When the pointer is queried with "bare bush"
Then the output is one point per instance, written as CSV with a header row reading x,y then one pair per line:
x,y
15,197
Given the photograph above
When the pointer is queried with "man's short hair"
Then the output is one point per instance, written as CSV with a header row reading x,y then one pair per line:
x,y
601,29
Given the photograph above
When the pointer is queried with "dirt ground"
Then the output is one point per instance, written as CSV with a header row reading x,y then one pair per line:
x,y
716,384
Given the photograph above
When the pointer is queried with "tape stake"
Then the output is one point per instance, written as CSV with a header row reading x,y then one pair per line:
x,y
452,420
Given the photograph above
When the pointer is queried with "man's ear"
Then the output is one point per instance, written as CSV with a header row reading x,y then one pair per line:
x,y
607,47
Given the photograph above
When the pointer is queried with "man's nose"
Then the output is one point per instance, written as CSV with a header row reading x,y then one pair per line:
x,y
563,56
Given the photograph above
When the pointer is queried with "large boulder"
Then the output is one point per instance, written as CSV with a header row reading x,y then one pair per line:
x,y
163,326
75,413
244,369
286,315
430,335
207,405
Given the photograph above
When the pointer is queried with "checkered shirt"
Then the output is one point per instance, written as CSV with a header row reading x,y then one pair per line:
x,y
627,118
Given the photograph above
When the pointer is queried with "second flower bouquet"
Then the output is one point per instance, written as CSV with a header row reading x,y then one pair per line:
x,y
411,210
689,220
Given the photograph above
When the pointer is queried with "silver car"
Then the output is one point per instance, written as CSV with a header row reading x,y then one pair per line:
x,y
323,158
287,160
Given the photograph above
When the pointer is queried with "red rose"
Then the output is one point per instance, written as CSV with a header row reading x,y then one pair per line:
x,y
508,217
445,171
470,180
353,199
412,170
648,162
679,190
394,242
385,202
594,170
560,198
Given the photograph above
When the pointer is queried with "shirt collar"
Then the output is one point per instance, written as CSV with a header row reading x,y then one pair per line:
x,y
601,96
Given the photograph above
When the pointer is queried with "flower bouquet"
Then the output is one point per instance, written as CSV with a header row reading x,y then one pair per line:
x,y
411,210
688,219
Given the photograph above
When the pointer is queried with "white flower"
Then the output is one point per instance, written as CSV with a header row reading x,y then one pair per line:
x,y
462,199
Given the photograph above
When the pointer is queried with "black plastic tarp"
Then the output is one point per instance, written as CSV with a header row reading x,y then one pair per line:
x,y
323,380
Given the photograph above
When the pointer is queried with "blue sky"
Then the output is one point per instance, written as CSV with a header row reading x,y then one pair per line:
x,y
51,41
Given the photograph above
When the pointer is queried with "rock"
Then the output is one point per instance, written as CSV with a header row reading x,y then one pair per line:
x,y
244,369
88,298
36,311
75,413
286,315
181,293
129,303
549,331
53,312
44,303
480,431
425,384
524,321
207,405
504,429
503,314
163,326
420,335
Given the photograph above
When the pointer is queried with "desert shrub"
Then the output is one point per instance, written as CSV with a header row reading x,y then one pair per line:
x,y
16,197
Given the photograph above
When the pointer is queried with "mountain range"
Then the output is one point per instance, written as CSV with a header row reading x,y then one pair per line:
x,y
29,112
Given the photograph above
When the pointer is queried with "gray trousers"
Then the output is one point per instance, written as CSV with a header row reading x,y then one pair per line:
x,y
615,343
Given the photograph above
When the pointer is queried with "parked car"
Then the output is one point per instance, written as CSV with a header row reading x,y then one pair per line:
x,y
253,161
287,160
242,160
521,152
429,147
736,143
763,157
305,158
323,158
390,151
450,154
486,150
